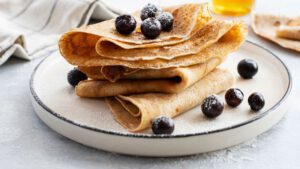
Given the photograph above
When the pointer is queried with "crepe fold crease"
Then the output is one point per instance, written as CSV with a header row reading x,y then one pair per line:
x,y
135,112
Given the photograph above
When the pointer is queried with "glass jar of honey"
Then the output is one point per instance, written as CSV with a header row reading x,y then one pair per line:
x,y
232,7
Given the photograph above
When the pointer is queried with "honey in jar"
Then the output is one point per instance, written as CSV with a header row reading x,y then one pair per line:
x,y
232,7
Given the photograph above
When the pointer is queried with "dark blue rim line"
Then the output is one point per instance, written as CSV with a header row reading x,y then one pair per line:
x,y
259,116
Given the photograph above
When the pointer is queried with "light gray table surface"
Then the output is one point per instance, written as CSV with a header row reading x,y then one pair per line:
x,y
26,142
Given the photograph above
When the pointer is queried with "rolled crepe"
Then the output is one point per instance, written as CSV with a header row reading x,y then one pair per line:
x,y
170,80
135,112
289,32
278,29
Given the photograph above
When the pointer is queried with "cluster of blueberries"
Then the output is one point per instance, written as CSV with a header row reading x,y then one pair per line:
x,y
154,21
213,106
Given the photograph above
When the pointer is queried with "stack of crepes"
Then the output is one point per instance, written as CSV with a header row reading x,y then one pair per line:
x,y
143,78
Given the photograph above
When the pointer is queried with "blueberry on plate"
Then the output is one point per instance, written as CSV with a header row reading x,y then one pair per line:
x,y
151,28
163,125
212,106
166,19
256,101
150,10
234,97
75,76
247,68
125,24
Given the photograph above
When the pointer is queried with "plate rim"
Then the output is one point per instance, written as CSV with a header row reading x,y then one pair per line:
x,y
152,136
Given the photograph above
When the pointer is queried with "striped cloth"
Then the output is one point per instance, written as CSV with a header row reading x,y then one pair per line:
x,y
31,28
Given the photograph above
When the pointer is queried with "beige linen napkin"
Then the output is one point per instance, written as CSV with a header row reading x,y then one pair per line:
x,y
31,28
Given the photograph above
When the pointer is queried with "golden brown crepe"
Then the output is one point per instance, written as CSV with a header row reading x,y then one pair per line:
x,y
228,43
80,43
135,112
79,48
279,29
169,80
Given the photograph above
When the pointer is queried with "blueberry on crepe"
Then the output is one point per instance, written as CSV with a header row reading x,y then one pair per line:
x,y
151,28
150,10
166,19
125,24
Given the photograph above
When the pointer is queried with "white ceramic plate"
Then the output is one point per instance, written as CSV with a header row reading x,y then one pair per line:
x,y
89,121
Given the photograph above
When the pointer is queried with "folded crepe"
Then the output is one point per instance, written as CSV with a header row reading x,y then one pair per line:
x,y
223,38
225,43
169,80
135,112
282,30
78,45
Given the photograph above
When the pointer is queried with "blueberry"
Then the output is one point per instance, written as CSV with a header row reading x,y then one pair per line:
x,y
150,10
163,125
256,101
212,106
125,24
151,28
234,97
247,68
75,76
166,20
